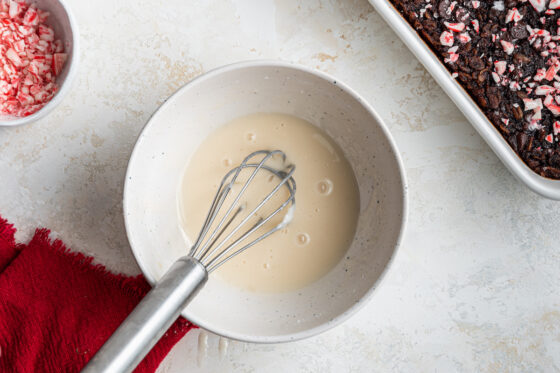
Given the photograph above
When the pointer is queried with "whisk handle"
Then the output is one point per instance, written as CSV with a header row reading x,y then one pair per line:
x,y
151,318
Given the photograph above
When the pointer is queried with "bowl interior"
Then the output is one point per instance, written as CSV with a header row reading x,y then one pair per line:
x,y
64,28
173,134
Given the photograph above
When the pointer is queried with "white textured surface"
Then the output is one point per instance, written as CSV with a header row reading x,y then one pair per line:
x,y
475,285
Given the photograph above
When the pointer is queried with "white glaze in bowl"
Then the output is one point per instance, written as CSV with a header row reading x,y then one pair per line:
x,y
173,134
66,29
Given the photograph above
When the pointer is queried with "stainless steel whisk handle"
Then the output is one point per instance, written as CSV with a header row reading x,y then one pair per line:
x,y
151,318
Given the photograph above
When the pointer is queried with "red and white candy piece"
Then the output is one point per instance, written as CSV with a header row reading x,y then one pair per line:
x,y
15,8
547,100
539,5
537,114
544,90
475,25
14,57
552,70
457,27
58,60
531,104
508,47
500,67
554,4
556,127
539,75
554,109
534,125
446,39
513,15
31,17
464,37
453,56
515,86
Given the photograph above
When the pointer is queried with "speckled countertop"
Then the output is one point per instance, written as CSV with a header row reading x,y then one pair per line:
x,y
475,287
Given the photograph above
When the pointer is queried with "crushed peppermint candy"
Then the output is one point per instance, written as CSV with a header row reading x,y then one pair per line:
x,y
464,37
544,90
539,5
531,104
451,7
457,27
515,86
539,75
453,57
506,54
475,25
556,128
446,39
513,15
30,58
508,47
500,67
554,109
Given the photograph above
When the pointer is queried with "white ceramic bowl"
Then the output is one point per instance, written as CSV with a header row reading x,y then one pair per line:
x,y
65,29
173,134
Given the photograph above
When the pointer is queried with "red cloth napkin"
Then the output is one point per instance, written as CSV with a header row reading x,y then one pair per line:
x,y
57,308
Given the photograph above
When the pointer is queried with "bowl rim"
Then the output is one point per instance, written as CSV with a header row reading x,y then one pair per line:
x,y
66,84
404,190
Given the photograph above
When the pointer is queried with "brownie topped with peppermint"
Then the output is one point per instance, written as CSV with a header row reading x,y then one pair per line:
x,y
506,54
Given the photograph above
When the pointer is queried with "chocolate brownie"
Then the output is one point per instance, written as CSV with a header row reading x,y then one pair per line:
x,y
506,54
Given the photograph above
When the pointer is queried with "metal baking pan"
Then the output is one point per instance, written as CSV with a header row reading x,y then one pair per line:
x,y
546,187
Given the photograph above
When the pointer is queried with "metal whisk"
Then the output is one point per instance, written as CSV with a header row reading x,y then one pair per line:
x,y
219,240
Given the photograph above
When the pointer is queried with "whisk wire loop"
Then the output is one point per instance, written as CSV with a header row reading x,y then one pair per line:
x,y
223,193
215,261
206,249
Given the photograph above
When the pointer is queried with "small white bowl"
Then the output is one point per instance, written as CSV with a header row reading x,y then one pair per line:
x,y
66,29
174,133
